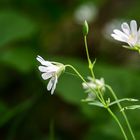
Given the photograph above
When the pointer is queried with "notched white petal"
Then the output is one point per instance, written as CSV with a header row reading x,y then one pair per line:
x,y
50,84
133,25
120,33
43,62
52,68
125,28
42,68
46,76
54,85
116,37
40,59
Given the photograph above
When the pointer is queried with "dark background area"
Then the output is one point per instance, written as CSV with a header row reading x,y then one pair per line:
x,y
53,29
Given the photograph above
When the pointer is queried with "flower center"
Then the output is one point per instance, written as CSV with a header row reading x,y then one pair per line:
x,y
131,38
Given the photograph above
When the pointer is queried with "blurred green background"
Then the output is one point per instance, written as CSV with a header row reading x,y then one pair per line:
x,y
53,29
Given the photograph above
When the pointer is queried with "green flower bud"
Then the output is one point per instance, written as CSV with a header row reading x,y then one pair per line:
x,y
85,28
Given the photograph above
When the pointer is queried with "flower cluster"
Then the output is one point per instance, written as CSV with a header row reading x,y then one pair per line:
x,y
92,86
50,70
129,34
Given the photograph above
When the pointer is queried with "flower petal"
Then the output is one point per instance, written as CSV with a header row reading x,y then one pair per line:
x,y
42,68
40,59
120,34
54,85
46,76
133,25
138,41
43,62
49,69
52,68
125,28
84,85
50,84
139,31
91,96
116,37
139,34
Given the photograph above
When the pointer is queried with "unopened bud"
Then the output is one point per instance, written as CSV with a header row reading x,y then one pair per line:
x,y
85,28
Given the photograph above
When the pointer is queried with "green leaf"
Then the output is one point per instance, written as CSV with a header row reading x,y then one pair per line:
x,y
10,113
131,107
122,100
3,108
14,26
20,58
94,62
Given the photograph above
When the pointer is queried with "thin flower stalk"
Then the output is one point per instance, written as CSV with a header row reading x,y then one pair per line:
x,y
102,101
123,112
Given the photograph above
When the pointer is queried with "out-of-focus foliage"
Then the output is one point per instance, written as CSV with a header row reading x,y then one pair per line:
x,y
50,29
14,26
21,58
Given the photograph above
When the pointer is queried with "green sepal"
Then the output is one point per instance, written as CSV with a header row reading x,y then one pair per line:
x,y
135,48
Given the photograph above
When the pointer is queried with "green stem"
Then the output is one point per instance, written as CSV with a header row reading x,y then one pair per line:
x,y
52,137
101,95
76,71
123,113
103,102
81,77
88,58
116,119
85,40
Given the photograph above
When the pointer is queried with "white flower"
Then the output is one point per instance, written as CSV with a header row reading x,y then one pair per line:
x,y
50,70
95,84
129,34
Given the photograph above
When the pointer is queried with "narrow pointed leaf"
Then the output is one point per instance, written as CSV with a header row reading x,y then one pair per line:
x,y
122,100
96,103
131,107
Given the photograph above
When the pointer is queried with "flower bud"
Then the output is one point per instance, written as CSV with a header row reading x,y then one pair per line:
x,y
85,28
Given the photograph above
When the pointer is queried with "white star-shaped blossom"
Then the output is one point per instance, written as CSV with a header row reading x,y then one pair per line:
x,y
50,70
95,84
129,34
